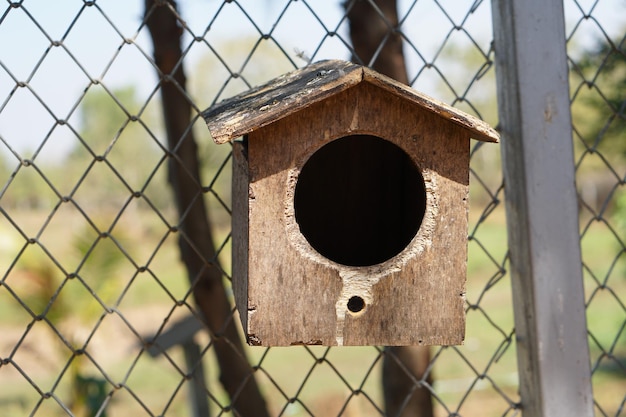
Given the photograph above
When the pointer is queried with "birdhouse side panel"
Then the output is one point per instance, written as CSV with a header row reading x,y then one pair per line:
x,y
240,215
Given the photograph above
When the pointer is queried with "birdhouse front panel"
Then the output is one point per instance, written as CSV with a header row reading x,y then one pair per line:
x,y
368,250
349,209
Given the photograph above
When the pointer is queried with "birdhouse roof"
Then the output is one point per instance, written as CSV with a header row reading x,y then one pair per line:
x,y
296,90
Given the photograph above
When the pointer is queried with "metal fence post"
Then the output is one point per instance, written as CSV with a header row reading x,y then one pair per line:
x,y
542,212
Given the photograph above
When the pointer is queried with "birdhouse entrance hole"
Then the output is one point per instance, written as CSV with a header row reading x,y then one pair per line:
x,y
359,200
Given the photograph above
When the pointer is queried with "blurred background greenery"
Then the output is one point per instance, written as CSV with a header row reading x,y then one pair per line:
x,y
106,271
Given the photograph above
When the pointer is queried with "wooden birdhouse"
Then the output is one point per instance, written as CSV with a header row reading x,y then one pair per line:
x,y
349,209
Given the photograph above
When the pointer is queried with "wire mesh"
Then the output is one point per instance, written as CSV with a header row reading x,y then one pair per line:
x,y
597,53
92,288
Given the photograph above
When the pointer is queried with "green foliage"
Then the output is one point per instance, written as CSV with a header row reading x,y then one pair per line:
x,y
68,306
36,280
599,101
618,219
87,393
470,82
470,85
103,115
100,262
619,212
117,152
250,62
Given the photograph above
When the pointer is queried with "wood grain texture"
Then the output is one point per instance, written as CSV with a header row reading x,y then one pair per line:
x,y
294,91
278,98
240,216
297,296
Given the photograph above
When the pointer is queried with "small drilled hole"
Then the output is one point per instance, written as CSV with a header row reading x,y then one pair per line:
x,y
356,304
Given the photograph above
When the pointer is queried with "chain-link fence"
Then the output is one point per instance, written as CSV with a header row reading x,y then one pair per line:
x,y
596,53
97,314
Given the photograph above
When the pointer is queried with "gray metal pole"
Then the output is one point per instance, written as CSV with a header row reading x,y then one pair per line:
x,y
542,212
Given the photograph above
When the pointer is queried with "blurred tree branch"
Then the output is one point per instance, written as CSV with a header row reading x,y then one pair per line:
x,y
378,45
195,234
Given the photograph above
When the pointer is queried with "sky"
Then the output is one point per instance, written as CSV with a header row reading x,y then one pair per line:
x,y
90,46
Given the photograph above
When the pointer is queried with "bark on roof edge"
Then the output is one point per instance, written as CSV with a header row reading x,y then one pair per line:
x,y
298,89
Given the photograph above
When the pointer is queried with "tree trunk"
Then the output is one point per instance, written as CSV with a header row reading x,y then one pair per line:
x,y
403,367
195,237
375,42
377,45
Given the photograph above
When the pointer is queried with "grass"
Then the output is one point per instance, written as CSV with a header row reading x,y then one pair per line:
x,y
322,380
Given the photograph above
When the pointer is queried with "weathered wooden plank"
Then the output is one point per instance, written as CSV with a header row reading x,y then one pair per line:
x,y
298,89
278,98
478,129
240,219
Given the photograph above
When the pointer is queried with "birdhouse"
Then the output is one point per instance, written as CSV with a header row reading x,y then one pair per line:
x,y
349,209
